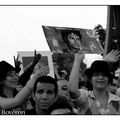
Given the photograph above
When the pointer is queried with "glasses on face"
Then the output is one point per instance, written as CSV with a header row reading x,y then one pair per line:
x,y
12,74
100,73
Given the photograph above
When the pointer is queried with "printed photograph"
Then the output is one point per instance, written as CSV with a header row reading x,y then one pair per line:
x,y
71,40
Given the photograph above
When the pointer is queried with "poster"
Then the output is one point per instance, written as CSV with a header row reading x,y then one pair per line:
x,y
71,40
26,57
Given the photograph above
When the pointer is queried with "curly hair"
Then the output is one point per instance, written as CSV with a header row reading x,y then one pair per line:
x,y
65,33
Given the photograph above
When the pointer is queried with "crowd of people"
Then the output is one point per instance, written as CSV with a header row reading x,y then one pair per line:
x,y
40,94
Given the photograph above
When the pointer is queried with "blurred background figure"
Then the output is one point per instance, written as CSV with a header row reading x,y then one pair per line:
x,y
63,88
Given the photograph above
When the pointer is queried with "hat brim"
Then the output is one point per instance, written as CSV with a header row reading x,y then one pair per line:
x,y
89,72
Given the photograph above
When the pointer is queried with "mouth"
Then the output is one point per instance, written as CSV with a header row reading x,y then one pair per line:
x,y
101,83
14,82
77,45
43,104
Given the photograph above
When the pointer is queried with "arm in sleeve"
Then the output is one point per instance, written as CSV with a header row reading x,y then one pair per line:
x,y
74,76
9,103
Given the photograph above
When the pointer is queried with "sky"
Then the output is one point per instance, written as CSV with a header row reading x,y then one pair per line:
x,y
21,26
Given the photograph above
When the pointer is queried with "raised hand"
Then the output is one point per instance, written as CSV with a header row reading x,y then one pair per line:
x,y
36,59
17,63
112,56
79,55
43,71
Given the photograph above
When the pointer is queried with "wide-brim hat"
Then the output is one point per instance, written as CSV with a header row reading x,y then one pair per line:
x,y
5,67
98,66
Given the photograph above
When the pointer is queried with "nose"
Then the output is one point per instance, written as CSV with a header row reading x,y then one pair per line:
x,y
44,95
100,76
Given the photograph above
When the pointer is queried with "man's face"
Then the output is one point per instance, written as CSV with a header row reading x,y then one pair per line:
x,y
99,81
74,40
44,96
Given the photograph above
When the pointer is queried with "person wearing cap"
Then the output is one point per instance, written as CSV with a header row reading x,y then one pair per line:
x,y
99,100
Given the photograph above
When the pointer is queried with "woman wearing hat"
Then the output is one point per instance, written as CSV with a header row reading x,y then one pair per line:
x,y
8,83
99,100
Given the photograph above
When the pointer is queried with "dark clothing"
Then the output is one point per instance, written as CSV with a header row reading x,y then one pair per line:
x,y
30,112
33,112
61,102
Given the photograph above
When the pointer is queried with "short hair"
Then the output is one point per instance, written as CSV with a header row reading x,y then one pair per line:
x,y
65,33
46,79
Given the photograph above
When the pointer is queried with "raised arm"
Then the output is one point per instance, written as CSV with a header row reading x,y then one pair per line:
x,y
74,76
9,103
26,75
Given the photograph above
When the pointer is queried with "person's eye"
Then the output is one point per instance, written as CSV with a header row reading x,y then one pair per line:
x,y
50,92
40,91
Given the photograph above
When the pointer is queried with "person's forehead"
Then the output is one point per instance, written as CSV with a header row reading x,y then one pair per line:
x,y
43,85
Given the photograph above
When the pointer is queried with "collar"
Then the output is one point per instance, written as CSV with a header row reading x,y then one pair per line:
x,y
111,97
